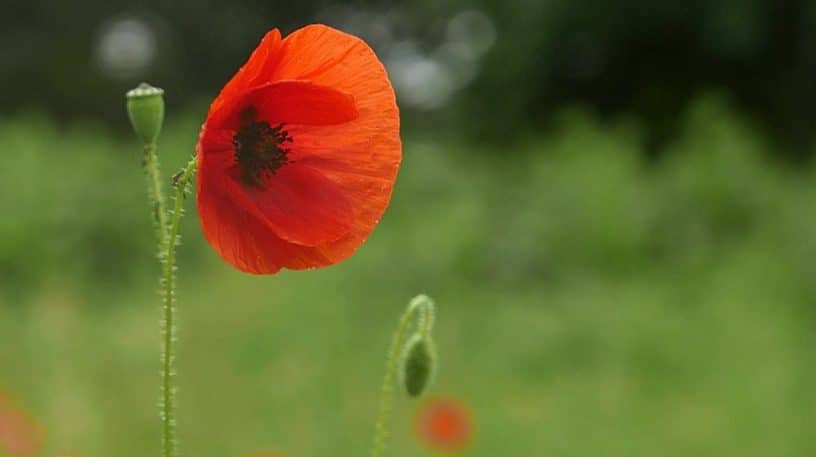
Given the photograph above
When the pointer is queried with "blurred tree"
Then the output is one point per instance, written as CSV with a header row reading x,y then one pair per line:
x,y
624,56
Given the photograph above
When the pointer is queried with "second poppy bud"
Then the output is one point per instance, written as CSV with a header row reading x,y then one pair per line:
x,y
418,365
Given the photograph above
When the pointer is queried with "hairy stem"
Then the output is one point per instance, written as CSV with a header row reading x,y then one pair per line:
x,y
168,403
150,162
425,307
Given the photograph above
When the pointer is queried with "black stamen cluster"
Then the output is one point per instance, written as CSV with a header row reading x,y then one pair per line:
x,y
259,148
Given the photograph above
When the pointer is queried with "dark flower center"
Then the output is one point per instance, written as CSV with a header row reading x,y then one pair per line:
x,y
259,148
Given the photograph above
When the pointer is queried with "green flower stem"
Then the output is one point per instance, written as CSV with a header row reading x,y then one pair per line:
x,y
426,316
423,305
150,162
168,404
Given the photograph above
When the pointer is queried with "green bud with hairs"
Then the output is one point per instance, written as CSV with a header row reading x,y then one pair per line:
x,y
418,365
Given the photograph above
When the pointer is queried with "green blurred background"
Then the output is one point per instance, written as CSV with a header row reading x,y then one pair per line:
x,y
613,205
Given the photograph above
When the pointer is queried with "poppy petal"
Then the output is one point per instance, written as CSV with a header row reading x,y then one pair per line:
x,y
303,102
361,156
302,206
262,59
242,237
290,102
215,142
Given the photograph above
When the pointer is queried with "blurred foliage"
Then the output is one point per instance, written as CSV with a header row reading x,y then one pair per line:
x,y
592,301
582,198
629,56
633,276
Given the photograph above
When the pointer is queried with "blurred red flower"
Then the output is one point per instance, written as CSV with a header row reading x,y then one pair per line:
x,y
299,152
20,434
444,424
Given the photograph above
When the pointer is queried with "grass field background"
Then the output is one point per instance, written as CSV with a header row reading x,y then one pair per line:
x,y
591,301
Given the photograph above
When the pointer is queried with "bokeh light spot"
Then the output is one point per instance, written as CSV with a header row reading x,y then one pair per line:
x,y
472,32
126,47
420,81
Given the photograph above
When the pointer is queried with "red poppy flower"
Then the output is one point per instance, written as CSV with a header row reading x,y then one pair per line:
x,y
20,435
299,153
444,424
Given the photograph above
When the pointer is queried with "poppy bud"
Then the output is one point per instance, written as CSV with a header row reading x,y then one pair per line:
x,y
418,365
145,106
